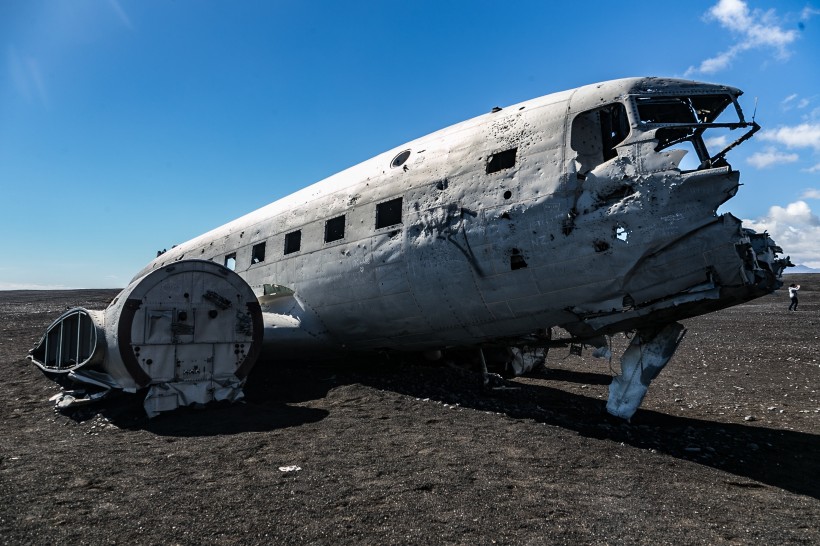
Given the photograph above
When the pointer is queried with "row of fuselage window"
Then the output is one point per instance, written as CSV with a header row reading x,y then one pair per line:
x,y
388,214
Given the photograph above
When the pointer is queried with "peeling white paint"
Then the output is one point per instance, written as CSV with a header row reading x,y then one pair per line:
x,y
569,211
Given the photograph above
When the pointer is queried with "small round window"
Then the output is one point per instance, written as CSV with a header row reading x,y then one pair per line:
x,y
400,159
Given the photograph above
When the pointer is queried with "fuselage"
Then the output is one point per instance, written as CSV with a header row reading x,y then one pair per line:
x,y
579,210
569,210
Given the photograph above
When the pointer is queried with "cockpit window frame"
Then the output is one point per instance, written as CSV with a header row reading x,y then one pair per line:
x,y
703,114
697,106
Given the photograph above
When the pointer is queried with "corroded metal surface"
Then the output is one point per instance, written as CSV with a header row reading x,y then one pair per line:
x,y
186,333
592,211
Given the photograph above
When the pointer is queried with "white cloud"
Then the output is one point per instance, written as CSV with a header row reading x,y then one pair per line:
x,y
32,286
716,142
798,212
754,29
792,102
757,28
813,169
808,12
811,193
805,135
769,157
794,228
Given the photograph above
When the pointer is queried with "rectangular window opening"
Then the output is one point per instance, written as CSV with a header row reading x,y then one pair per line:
x,y
614,128
293,241
335,229
258,253
388,213
501,160
597,133
230,261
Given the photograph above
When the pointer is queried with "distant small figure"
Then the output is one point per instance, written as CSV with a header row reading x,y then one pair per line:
x,y
793,288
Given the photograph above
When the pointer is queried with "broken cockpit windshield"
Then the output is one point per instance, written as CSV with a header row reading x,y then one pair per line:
x,y
683,120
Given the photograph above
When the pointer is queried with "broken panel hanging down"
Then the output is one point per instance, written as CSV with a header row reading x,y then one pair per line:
x,y
184,334
643,360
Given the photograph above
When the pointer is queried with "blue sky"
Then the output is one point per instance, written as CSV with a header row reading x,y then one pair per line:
x,y
128,126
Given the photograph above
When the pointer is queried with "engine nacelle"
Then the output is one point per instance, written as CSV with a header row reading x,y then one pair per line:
x,y
189,332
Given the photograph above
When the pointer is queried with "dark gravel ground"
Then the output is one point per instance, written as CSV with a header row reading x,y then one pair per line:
x,y
725,450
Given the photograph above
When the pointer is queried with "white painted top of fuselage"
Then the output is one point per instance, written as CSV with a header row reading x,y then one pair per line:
x,y
588,96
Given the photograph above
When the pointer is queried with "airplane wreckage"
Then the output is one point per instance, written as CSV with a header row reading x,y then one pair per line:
x,y
572,212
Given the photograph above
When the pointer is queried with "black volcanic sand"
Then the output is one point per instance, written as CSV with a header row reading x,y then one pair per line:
x,y
725,450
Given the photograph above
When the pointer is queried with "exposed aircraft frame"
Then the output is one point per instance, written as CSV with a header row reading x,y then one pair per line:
x,y
571,211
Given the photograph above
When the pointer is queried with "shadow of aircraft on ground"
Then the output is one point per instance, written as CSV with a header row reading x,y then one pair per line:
x,y
779,458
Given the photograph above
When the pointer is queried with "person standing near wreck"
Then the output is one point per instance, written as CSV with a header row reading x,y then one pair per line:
x,y
793,288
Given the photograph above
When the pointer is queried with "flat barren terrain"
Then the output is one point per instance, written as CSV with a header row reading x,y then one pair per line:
x,y
725,449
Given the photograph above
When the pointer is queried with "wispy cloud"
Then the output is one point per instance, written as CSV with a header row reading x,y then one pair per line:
x,y
811,193
753,29
27,77
805,135
770,157
814,169
795,101
117,7
808,12
795,228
